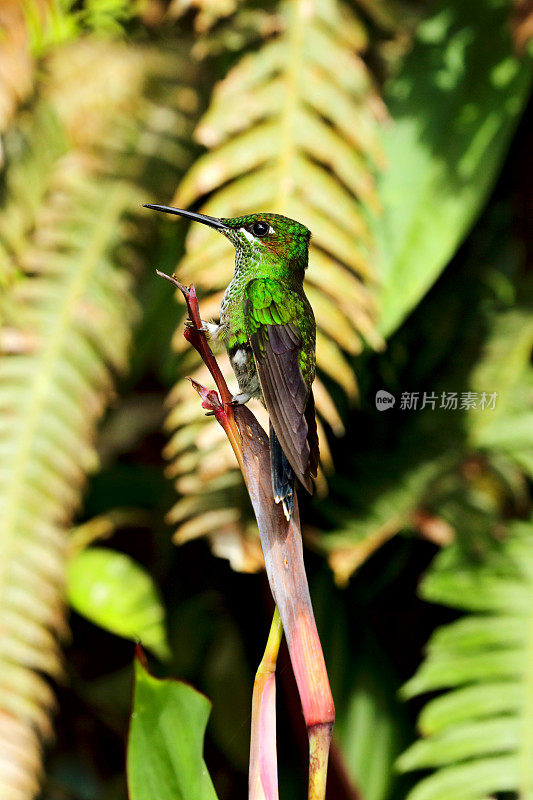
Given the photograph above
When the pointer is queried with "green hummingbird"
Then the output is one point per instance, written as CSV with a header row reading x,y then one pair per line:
x,y
268,328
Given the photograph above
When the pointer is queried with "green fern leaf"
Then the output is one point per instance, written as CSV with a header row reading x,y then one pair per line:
x,y
67,315
292,129
67,257
73,312
477,735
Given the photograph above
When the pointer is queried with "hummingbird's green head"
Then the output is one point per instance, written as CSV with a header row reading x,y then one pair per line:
x,y
278,240
271,236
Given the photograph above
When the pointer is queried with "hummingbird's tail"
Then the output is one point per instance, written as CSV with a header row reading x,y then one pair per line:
x,y
282,475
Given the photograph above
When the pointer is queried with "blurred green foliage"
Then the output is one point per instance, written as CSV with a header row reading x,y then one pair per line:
x,y
391,130
111,590
454,102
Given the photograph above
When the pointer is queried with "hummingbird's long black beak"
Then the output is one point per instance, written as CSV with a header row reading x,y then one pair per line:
x,y
213,222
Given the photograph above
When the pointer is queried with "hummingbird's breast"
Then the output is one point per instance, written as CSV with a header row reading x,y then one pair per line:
x,y
236,339
232,312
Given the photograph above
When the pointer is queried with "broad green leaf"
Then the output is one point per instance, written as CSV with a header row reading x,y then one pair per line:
x,y
115,592
454,105
165,746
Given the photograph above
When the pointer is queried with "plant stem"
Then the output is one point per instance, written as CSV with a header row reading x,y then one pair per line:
x,y
281,541
195,335
263,770
319,742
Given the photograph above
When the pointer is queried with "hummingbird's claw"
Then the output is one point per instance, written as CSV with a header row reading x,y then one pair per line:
x,y
192,327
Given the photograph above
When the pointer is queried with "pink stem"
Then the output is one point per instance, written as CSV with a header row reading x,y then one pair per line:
x,y
263,770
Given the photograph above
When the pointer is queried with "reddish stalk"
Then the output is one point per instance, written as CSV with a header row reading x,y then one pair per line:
x,y
282,548
195,335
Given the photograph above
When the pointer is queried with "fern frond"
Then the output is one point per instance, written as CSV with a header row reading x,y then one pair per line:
x,y
476,735
142,126
67,322
292,128
76,303
23,188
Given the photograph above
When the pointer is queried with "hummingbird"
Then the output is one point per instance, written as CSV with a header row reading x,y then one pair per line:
x,y
268,327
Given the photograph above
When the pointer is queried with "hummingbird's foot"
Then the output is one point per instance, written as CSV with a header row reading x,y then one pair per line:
x,y
240,399
192,327
212,333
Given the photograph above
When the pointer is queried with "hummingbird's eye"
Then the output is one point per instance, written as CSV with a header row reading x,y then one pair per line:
x,y
260,228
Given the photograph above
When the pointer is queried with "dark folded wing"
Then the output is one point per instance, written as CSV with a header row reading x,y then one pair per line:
x,y
276,348
312,436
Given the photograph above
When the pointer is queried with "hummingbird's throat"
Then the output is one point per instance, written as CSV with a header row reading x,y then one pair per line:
x,y
243,240
249,252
